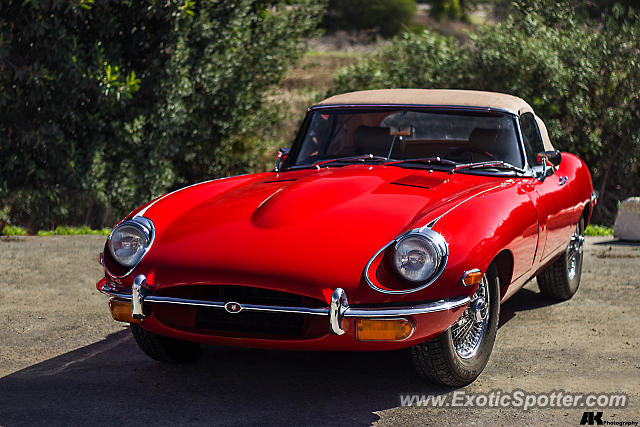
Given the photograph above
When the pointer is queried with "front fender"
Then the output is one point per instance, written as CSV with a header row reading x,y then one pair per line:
x,y
476,230
479,229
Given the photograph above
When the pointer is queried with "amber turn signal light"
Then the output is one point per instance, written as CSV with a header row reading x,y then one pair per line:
x,y
383,329
121,311
471,277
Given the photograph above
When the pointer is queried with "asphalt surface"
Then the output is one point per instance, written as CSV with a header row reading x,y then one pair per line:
x,y
63,361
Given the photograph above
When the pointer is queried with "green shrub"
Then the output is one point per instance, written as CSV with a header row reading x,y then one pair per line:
x,y
598,230
73,231
388,17
446,9
14,230
107,104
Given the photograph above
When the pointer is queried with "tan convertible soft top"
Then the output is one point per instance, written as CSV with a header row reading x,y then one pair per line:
x,y
444,97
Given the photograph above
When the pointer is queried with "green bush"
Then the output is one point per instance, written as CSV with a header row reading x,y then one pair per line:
x,y
446,9
582,79
107,104
598,230
74,231
14,230
388,17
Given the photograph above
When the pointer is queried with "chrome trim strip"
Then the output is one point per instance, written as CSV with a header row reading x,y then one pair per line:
x,y
345,309
417,106
523,150
338,306
137,296
422,308
368,266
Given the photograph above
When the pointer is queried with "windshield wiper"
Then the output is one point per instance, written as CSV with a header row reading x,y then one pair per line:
x,y
360,158
425,160
494,164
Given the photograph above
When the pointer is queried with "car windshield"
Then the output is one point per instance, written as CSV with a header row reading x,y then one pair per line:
x,y
375,135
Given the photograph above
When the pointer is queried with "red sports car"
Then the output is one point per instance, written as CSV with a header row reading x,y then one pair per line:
x,y
398,219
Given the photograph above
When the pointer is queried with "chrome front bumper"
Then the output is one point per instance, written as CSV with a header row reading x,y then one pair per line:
x,y
338,308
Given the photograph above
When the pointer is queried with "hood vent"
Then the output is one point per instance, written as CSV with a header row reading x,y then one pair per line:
x,y
419,181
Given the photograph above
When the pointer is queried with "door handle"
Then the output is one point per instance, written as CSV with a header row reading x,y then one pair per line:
x,y
562,180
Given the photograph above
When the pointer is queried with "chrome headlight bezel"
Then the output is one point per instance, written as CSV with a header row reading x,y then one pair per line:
x,y
430,237
435,246
146,230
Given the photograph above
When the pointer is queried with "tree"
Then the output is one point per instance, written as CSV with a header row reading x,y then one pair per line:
x,y
583,80
108,104
389,17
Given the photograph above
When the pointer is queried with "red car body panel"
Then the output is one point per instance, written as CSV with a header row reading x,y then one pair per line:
x,y
310,231
319,233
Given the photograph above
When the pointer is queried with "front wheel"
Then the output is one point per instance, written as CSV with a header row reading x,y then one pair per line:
x,y
165,349
458,355
560,280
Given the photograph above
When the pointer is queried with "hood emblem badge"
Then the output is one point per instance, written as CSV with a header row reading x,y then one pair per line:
x,y
233,307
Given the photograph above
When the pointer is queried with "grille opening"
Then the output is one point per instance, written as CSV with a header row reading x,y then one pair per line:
x,y
283,324
215,321
240,294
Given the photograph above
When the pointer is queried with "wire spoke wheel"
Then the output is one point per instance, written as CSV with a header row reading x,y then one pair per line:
x,y
574,253
469,331
560,279
458,355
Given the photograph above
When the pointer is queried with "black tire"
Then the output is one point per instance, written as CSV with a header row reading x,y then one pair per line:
x,y
561,279
439,361
165,349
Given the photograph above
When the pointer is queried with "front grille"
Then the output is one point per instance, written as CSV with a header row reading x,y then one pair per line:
x,y
216,321
282,324
241,294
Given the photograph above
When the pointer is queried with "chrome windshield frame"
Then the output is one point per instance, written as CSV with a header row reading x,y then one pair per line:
x,y
294,151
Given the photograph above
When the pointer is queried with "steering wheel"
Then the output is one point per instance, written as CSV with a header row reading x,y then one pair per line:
x,y
462,150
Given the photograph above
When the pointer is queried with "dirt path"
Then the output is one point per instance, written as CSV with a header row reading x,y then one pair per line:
x,y
63,361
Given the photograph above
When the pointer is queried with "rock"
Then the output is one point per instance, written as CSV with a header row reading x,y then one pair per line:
x,y
628,222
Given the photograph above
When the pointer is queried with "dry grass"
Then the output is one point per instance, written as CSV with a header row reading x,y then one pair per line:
x,y
316,70
310,80
483,14
305,84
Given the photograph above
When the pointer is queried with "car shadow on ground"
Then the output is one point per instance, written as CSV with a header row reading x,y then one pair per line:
x,y
617,243
523,300
112,382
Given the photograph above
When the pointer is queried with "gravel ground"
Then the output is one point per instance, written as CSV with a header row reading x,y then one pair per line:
x,y
63,361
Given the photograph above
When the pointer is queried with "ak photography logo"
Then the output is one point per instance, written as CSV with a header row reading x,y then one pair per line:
x,y
591,418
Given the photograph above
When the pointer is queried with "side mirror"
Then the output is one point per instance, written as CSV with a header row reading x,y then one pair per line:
x,y
544,157
282,156
553,157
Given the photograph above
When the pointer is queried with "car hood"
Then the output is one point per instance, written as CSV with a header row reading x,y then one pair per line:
x,y
310,230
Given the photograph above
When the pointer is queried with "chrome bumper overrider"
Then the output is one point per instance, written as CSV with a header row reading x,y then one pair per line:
x,y
338,309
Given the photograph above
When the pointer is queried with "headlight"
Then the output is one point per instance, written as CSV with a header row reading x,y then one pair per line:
x,y
420,255
129,241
